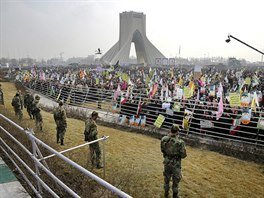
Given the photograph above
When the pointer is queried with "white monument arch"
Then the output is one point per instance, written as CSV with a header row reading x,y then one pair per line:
x,y
132,29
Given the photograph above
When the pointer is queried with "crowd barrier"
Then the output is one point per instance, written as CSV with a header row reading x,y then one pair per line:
x,y
30,159
136,109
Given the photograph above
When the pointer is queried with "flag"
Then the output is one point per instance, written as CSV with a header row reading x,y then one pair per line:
x,y
154,89
235,126
254,102
161,82
220,108
139,108
220,104
123,100
84,73
116,65
81,74
198,95
192,87
117,92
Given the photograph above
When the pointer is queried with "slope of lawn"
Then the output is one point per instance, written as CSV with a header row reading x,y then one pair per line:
x,y
134,161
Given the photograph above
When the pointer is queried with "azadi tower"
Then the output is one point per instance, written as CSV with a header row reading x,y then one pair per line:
x,y
132,29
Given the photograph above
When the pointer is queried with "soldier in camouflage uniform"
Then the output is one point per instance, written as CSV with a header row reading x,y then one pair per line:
x,y
173,149
36,113
59,116
1,96
28,99
21,99
16,103
90,134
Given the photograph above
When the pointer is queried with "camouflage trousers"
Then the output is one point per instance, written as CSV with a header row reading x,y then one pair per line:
x,y
18,113
60,133
95,154
29,110
38,121
173,171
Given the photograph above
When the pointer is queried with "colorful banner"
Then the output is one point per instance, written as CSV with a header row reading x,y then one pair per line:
x,y
143,121
179,93
212,91
123,119
125,77
97,81
176,106
245,99
166,105
114,108
137,121
187,92
169,111
159,121
206,124
187,116
147,80
260,123
132,120
248,80
246,116
234,99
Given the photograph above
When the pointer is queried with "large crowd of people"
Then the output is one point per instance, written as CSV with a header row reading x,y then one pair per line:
x,y
220,96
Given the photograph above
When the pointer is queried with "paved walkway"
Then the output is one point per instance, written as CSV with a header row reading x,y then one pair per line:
x,y
9,186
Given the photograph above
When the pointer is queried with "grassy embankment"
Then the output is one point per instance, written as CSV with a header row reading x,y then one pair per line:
x,y
134,162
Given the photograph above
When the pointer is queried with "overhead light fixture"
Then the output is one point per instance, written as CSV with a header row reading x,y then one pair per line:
x,y
228,39
230,36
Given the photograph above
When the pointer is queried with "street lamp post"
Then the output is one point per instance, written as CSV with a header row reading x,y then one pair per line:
x,y
230,36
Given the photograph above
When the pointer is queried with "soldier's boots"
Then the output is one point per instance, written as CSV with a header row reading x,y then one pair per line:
x,y
175,195
62,142
99,165
58,139
166,194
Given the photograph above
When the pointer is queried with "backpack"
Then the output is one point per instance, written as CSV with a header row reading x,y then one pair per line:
x,y
173,147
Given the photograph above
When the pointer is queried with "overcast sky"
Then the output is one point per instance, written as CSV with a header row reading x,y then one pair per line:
x,y
44,28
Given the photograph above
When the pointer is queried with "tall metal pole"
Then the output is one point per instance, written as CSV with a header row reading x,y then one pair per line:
x,y
245,44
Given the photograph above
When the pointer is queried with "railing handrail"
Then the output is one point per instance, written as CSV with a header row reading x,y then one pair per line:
x,y
58,154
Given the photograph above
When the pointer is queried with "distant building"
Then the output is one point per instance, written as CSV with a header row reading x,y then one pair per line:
x,y
233,62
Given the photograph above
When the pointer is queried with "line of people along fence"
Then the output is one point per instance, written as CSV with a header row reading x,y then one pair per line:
x,y
137,109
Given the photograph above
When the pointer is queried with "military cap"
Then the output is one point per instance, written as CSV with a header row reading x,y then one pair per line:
x,y
95,114
37,97
175,128
60,102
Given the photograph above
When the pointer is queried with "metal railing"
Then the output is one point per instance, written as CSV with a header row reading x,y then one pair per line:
x,y
139,104
38,161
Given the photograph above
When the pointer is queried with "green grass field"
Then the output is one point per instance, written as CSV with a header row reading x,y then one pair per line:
x,y
134,161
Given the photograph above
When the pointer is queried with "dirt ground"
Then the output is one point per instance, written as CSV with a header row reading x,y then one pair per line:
x,y
134,161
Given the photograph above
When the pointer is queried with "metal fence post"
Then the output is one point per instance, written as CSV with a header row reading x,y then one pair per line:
x,y
34,151
104,140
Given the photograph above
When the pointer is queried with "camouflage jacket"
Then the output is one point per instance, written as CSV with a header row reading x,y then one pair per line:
x,y
35,107
16,103
59,116
28,99
173,148
90,130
